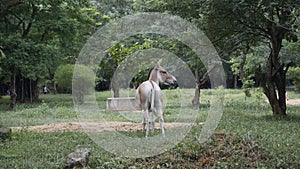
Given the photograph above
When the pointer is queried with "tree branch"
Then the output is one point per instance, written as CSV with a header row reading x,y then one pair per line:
x,y
287,67
205,77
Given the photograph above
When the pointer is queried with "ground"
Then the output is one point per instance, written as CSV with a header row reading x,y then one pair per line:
x,y
92,126
108,126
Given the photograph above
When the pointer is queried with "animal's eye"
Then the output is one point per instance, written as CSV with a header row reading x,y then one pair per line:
x,y
164,72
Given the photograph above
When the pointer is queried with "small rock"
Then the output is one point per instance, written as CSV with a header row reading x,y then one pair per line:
x,y
5,133
79,158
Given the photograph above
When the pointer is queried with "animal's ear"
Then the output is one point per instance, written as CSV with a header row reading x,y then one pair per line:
x,y
158,63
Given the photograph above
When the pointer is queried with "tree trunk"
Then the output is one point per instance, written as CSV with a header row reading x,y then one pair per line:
x,y
13,96
196,99
22,91
274,86
235,81
53,82
54,87
30,90
35,90
115,86
242,65
199,83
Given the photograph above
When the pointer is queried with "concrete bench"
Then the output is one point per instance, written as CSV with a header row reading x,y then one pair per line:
x,y
122,104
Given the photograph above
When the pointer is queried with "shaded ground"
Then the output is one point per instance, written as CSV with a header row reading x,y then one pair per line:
x,y
92,126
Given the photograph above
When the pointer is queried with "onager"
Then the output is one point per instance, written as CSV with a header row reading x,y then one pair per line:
x,y
149,96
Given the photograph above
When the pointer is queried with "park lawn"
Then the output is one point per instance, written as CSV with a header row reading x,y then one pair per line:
x,y
248,136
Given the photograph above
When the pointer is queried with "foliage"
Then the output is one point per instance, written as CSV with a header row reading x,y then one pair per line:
x,y
83,82
189,10
238,25
126,52
246,66
294,75
37,36
63,77
79,81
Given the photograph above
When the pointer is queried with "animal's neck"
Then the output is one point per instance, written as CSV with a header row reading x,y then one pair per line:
x,y
153,77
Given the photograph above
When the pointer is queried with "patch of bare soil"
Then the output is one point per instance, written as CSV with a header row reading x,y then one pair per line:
x,y
293,102
92,126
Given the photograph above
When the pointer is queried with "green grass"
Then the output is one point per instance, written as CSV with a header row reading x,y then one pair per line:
x,y
258,139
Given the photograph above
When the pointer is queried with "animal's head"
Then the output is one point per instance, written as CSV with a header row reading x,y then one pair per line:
x,y
164,76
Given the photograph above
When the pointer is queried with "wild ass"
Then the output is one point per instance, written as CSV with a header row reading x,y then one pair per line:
x,y
149,96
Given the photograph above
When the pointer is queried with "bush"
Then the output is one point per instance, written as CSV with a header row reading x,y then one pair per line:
x,y
63,77
83,82
79,80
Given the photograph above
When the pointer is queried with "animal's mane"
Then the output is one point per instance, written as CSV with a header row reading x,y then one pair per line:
x,y
149,73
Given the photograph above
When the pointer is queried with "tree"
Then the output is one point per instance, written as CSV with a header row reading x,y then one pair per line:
x,y
36,36
191,11
262,22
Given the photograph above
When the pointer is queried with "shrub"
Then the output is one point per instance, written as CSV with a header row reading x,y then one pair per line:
x,y
79,80
63,77
83,82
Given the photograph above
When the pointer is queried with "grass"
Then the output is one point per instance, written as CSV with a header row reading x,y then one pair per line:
x,y
249,135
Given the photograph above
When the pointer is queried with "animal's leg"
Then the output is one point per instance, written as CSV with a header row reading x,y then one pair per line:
x,y
146,116
143,121
152,121
161,123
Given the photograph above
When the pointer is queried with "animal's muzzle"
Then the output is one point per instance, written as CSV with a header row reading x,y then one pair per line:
x,y
172,82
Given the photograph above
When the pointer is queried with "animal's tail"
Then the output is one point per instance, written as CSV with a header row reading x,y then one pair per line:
x,y
137,97
152,98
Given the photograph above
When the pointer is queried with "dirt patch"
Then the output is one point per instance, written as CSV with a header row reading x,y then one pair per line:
x,y
93,126
108,126
293,102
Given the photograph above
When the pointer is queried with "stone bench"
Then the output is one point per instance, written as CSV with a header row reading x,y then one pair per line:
x,y
122,104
